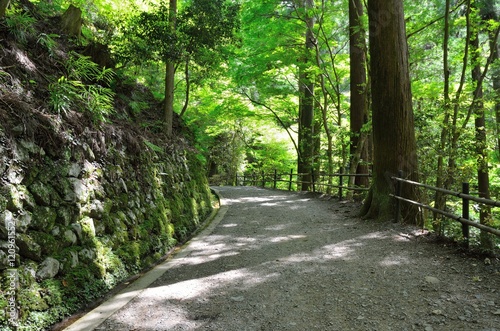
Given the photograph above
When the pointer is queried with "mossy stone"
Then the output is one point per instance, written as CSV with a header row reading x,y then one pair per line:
x,y
23,221
28,247
48,244
66,215
3,201
44,219
65,188
14,201
80,190
42,193
26,197
69,259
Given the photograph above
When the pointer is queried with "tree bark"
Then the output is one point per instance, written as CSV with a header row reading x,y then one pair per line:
x,y
170,75
306,111
483,180
490,12
188,88
72,21
392,113
358,87
439,197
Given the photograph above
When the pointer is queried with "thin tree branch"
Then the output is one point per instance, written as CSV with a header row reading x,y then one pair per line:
x,y
428,24
276,116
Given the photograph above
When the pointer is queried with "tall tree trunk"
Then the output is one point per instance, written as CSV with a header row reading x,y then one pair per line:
x,y
440,198
483,180
392,114
451,131
359,105
170,75
490,12
306,112
188,88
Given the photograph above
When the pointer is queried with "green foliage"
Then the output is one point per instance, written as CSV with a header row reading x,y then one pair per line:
x,y
81,67
48,42
63,93
21,25
203,28
71,91
154,147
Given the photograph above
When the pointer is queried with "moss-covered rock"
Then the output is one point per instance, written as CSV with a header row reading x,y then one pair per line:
x,y
42,193
28,247
84,224
47,242
13,197
48,269
23,221
26,198
44,218
68,258
67,215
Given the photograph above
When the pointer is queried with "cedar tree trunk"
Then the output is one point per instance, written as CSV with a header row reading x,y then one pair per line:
x,y
392,114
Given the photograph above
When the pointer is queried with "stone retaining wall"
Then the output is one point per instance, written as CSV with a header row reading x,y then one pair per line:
x,y
88,213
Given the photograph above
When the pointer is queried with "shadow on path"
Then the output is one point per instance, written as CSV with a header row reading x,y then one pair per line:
x,y
287,261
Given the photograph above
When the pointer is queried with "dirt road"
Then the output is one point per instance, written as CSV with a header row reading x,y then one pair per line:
x,y
276,260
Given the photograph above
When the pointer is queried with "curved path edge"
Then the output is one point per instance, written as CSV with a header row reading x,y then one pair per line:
x,y
98,315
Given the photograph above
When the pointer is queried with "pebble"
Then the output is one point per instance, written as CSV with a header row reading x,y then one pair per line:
x,y
238,299
432,280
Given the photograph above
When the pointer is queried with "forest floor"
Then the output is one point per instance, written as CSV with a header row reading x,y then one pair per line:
x,y
289,261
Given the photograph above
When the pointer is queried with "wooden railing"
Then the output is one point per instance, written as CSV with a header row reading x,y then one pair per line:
x,y
321,183
464,195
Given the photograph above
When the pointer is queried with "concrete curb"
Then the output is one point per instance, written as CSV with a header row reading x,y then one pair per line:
x,y
97,316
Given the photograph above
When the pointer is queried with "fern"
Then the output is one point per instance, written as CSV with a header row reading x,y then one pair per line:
x,y
99,102
153,147
71,92
47,41
20,24
63,94
81,67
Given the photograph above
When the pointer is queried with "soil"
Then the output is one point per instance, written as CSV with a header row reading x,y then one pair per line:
x,y
292,261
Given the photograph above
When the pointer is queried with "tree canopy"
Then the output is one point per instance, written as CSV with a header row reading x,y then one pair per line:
x,y
300,84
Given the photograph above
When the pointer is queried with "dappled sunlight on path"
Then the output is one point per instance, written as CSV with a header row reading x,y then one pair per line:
x,y
286,261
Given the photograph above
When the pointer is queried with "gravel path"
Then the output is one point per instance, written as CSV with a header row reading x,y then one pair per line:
x,y
288,261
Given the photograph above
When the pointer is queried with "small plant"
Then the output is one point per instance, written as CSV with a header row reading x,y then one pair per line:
x,y
153,147
98,101
20,24
63,94
81,67
70,91
48,42
138,106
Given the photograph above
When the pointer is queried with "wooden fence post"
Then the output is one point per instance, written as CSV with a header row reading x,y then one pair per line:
x,y
275,178
398,194
313,180
290,182
263,179
341,182
465,213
